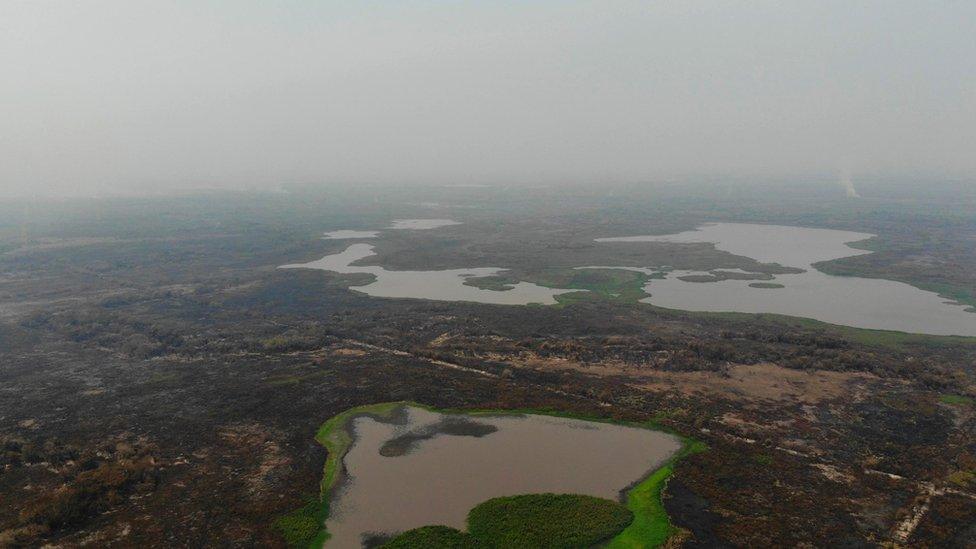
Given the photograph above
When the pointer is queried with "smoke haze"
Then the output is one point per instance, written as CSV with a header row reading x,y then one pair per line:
x,y
122,96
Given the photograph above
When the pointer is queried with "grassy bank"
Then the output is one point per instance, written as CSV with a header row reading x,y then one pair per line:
x,y
865,336
651,526
305,527
960,294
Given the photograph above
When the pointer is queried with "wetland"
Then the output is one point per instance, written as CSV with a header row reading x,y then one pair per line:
x,y
846,300
190,371
420,467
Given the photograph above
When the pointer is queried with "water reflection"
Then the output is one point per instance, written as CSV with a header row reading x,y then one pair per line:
x,y
851,301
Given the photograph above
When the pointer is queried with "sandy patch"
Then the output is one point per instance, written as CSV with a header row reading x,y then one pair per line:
x,y
346,351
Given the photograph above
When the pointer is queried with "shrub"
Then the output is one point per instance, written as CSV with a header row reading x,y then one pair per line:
x,y
433,537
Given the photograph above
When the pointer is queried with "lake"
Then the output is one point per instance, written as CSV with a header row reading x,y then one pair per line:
x,y
445,285
428,468
851,301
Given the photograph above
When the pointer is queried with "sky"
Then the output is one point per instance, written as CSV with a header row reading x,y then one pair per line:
x,y
102,97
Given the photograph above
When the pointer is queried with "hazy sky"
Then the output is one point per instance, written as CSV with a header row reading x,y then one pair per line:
x,y
102,96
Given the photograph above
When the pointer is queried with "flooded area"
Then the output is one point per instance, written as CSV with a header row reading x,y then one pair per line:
x,y
851,301
446,285
430,468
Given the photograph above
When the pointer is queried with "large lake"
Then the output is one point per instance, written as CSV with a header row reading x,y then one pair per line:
x,y
446,285
431,468
852,301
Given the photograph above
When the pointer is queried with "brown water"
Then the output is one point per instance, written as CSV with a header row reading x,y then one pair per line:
x,y
445,470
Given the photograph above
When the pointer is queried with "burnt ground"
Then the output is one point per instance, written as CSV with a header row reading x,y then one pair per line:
x,y
166,390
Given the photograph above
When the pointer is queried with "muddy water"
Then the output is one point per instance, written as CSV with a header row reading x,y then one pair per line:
x,y
446,285
851,301
446,468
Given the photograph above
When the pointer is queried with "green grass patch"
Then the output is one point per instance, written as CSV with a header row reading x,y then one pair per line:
x,y
617,285
547,521
954,293
963,479
305,527
882,338
334,435
433,537
302,526
865,336
538,521
959,294
651,526
957,400
612,284
608,284
495,283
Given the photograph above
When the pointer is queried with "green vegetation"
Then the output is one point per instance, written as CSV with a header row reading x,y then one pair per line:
x,y
960,294
720,275
948,291
647,524
547,520
433,537
531,520
609,284
336,439
766,285
963,479
883,338
495,283
957,400
303,526
651,526
876,338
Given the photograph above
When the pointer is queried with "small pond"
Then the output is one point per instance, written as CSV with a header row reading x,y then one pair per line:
x,y
422,467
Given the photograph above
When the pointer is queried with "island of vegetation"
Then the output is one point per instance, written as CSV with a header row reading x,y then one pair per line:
x,y
531,520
